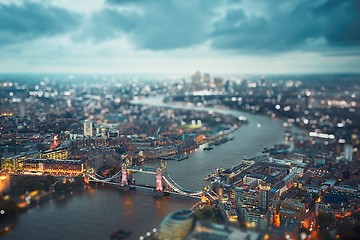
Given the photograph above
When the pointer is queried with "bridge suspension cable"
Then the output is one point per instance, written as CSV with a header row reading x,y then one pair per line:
x,y
167,178
176,184
179,189
99,177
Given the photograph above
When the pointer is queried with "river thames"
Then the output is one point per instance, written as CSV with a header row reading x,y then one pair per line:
x,y
97,212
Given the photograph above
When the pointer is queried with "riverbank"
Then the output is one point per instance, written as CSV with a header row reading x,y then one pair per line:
x,y
249,140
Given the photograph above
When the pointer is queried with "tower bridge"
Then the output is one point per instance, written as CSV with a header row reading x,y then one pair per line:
x,y
164,183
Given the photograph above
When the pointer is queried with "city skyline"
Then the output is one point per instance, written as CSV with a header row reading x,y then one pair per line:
x,y
173,37
114,157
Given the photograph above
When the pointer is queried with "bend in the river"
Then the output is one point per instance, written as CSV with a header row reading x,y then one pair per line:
x,y
250,140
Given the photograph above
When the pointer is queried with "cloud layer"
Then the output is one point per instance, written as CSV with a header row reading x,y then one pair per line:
x,y
255,28
28,21
290,25
155,25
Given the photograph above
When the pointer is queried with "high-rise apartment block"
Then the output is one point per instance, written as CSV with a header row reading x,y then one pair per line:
x,y
88,128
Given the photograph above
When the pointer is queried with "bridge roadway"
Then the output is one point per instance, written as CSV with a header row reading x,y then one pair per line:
x,y
172,186
142,169
146,187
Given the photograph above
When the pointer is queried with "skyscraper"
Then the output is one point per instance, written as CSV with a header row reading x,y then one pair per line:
x,y
348,152
88,128
196,79
253,206
22,109
264,196
207,78
219,83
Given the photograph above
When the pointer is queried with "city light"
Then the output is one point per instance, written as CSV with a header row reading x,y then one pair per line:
x,y
179,119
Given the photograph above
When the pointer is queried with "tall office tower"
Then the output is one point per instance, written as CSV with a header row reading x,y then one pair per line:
x,y
104,131
264,196
348,152
196,79
219,83
246,199
22,109
207,78
249,204
88,128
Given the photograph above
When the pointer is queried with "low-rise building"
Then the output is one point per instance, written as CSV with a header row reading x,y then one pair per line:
x,y
54,167
292,209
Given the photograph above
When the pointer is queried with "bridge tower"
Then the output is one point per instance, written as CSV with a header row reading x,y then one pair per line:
x,y
159,192
86,179
124,184
204,198
124,177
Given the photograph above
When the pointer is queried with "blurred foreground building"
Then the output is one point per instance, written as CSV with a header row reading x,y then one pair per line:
x,y
177,225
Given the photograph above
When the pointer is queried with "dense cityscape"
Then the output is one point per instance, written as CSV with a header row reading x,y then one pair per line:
x,y
180,120
60,135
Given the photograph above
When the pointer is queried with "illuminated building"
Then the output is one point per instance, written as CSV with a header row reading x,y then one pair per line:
x,y
4,183
292,209
54,167
264,196
157,152
86,142
113,133
57,154
336,203
176,225
12,164
206,230
103,131
88,128
234,174
231,215
224,197
347,189
249,203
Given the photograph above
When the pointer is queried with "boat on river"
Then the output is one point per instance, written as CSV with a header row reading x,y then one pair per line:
x,y
180,158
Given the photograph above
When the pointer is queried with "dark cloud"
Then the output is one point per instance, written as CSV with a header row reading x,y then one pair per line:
x,y
175,24
307,25
262,26
342,23
20,23
110,23
291,25
127,1
157,25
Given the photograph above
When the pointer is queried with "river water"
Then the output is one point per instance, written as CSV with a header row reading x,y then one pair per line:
x,y
97,212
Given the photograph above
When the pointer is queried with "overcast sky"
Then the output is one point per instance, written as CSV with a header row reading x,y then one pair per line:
x,y
180,36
